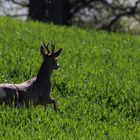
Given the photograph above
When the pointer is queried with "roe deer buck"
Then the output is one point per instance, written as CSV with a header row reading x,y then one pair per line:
x,y
36,90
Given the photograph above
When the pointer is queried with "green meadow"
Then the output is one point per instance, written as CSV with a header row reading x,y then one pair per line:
x,y
97,87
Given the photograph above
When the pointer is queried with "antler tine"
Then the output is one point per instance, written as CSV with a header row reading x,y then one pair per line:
x,y
53,46
46,46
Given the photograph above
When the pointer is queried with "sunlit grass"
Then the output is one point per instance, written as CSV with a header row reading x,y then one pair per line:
x,y
97,87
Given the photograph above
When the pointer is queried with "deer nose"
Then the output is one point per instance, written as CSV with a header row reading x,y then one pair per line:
x,y
58,66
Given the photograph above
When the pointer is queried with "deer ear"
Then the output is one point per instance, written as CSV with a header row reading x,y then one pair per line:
x,y
43,50
56,54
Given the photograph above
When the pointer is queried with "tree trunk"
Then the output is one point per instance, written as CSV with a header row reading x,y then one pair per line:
x,y
37,10
59,11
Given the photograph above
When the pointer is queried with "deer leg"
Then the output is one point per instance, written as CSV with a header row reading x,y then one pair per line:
x,y
55,106
52,101
45,107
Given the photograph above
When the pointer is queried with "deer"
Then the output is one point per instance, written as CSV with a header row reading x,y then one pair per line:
x,y
35,91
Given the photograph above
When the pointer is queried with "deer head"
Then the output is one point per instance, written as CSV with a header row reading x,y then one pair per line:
x,y
50,57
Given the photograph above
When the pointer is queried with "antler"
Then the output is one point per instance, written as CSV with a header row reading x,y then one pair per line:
x,y
53,46
46,46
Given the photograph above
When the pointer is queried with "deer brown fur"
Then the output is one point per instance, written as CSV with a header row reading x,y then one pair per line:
x,y
37,90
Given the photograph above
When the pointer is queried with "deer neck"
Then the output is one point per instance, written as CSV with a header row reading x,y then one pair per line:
x,y
44,73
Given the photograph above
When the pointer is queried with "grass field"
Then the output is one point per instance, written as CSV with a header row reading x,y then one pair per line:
x,y
97,87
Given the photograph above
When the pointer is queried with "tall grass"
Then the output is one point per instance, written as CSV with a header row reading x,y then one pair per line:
x,y
97,87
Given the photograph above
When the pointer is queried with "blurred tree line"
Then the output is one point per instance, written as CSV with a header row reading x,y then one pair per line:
x,y
101,14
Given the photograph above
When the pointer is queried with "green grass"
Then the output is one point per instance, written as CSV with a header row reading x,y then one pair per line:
x,y
97,87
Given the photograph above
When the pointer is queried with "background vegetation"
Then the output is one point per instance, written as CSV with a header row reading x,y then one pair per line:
x,y
97,87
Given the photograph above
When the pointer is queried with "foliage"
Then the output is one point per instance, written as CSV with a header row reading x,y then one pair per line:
x,y
97,87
